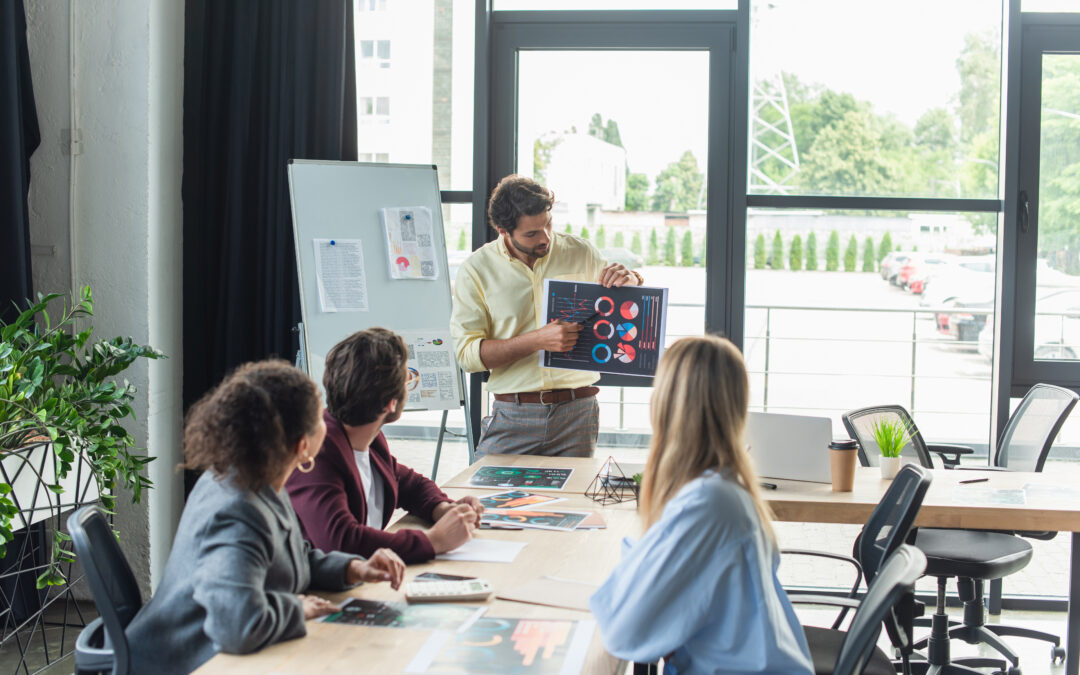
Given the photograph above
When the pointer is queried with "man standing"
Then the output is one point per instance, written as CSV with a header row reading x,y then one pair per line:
x,y
497,325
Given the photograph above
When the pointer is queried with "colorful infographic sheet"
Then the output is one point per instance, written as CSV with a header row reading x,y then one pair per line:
x,y
433,372
493,646
623,329
538,478
564,521
410,243
434,616
516,499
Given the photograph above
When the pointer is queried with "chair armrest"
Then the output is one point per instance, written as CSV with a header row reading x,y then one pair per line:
x,y
949,453
833,556
798,598
90,655
981,468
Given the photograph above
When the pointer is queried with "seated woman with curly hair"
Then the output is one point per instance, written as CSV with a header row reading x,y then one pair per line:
x,y
237,577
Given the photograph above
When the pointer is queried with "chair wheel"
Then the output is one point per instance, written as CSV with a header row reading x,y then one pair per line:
x,y
1057,654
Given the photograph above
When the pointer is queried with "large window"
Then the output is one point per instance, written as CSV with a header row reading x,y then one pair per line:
x,y
414,83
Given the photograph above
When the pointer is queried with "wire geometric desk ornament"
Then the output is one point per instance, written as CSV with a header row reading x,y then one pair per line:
x,y
611,485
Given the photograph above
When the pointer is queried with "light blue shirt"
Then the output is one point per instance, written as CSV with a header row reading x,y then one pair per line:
x,y
702,583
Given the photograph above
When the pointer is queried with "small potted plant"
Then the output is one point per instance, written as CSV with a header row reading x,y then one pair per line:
x,y
891,435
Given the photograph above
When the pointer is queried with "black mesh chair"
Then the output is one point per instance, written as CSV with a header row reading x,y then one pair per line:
x,y
859,424
893,582
885,531
102,646
975,556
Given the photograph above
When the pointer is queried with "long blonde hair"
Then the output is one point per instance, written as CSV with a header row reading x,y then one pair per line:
x,y
700,398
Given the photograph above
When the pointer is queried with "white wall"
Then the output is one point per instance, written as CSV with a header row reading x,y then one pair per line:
x,y
125,222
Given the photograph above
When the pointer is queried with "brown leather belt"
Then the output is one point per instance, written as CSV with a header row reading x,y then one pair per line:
x,y
548,397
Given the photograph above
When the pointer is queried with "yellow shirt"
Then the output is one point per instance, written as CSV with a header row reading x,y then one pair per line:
x,y
496,296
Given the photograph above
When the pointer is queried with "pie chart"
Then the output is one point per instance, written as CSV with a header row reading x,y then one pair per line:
x,y
625,353
604,306
603,329
629,310
601,353
627,331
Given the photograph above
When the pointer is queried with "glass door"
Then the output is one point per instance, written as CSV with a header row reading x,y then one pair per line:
x,y
628,119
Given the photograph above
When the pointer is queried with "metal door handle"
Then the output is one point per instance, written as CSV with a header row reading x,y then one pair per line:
x,y
1023,211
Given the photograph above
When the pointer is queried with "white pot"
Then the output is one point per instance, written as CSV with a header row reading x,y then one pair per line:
x,y
889,467
31,470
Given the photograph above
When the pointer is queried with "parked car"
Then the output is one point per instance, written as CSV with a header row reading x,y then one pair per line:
x,y
890,265
918,267
967,280
1057,326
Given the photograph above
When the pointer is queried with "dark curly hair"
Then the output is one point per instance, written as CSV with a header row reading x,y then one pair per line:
x,y
363,373
517,196
248,425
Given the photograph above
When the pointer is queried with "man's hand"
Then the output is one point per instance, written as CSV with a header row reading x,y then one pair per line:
x,y
383,565
453,528
557,336
314,606
468,500
616,274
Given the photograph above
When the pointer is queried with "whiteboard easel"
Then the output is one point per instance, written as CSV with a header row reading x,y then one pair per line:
x,y
343,200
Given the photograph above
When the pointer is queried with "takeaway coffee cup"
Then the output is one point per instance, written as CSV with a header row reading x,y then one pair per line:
x,y
842,456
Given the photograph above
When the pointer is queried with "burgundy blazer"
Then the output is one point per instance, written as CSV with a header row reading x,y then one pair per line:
x,y
332,506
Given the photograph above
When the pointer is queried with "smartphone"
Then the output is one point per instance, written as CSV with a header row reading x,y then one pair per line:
x,y
439,576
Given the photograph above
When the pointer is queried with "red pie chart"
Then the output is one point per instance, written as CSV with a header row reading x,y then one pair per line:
x,y
629,310
625,353
627,331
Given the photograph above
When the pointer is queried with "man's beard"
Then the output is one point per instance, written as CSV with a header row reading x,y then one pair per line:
x,y
531,252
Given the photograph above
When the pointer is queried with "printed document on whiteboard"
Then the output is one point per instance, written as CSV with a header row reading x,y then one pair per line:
x,y
340,275
410,242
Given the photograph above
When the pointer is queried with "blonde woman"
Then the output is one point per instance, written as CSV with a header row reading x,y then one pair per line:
x,y
699,588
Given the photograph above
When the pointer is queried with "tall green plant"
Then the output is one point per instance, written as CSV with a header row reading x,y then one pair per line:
x,y
686,257
811,251
57,386
669,248
832,252
620,240
601,237
868,255
635,243
760,257
795,253
654,248
461,240
851,254
885,247
777,255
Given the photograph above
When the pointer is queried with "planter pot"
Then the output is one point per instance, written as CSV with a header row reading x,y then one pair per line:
x,y
30,470
889,467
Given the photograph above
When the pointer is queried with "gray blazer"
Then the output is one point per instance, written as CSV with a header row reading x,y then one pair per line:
x,y
230,585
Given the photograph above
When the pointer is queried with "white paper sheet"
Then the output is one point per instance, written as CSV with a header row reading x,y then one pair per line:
x,y
485,550
434,370
340,275
410,242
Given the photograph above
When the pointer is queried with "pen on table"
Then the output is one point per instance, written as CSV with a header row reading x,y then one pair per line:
x,y
769,486
973,480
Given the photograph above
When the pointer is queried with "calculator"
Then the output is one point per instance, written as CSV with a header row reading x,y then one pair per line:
x,y
447,591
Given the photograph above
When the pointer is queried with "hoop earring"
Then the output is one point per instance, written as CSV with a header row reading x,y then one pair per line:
x,y
310,461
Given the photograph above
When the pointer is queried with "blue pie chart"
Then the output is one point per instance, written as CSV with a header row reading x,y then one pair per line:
x,y
626,331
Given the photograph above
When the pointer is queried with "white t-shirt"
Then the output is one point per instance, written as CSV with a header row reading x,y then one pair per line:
x,y
373,488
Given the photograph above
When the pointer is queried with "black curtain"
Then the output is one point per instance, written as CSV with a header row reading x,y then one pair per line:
x,y
19,137
265,81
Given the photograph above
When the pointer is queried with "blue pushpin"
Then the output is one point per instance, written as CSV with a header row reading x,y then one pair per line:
x,y
408,216
332,242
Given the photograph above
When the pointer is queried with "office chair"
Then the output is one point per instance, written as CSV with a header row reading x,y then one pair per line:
x,y
859,424
894,580
102,646
974,556
885,531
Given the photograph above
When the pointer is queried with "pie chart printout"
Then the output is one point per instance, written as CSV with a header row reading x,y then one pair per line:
x,y
627,332
620,330
603,329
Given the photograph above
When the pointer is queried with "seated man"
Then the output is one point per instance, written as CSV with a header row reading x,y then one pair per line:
x,y
347,498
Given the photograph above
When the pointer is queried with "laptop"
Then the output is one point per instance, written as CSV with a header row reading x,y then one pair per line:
x,y
792,447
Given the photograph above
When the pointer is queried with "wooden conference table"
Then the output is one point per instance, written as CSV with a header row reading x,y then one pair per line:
x,y
589,557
